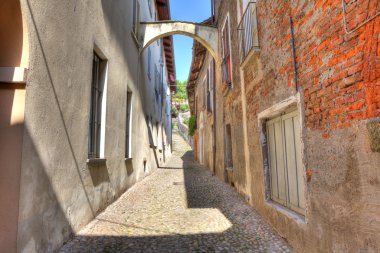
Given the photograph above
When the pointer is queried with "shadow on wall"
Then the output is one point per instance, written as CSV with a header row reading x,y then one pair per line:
x,y
12,97
44,217
40,231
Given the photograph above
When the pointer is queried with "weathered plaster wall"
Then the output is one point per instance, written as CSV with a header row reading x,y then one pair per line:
x,y
229,104
205,118
338,85
60,192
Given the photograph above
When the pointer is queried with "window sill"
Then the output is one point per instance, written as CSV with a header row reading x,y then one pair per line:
x,y
287,212
96,161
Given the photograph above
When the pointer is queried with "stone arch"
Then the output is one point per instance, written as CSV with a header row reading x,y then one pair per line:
x,y
204,34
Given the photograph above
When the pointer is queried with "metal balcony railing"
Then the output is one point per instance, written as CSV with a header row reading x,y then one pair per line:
x,y
248,32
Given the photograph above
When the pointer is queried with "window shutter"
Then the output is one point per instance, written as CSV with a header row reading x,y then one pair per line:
x,y
285,163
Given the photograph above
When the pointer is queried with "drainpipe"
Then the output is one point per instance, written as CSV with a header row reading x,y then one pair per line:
x,y
294,54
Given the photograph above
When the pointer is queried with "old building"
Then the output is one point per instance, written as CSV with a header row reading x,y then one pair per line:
x,y
288,113
85,113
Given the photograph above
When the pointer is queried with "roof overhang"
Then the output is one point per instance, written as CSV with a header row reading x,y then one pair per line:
x,y
163,12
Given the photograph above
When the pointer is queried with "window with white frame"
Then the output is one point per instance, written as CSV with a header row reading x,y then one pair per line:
x,y
285,161
226,53
97,121
128,126
136,18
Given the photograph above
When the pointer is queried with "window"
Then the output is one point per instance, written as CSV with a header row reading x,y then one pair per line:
x,y
149,62
285,163
228,148
226,53
204,95
213,10
98,108
210,93
248,37
136,18
150,7
157,84
128,126
245,4
196,107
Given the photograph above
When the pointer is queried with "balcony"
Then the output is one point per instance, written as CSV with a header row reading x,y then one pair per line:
x,y
248,32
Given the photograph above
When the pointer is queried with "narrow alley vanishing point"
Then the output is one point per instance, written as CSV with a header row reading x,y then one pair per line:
x,y
178,208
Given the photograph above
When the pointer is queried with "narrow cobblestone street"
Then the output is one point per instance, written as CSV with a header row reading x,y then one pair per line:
x,y
179,208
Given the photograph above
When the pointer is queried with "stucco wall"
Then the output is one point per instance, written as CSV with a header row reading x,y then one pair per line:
x,y
341,171
338,104
60,192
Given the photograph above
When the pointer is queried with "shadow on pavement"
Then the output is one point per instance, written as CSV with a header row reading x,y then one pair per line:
x,y
247,231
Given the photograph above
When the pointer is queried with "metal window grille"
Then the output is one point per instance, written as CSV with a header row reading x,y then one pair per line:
x,y
248,31
96,106
285,162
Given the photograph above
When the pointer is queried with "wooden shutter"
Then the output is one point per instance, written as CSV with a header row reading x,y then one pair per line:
x,y
285,163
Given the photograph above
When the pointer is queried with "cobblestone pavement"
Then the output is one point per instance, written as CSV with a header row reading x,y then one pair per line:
x,y
179,208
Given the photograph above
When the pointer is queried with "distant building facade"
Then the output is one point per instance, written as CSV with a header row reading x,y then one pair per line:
x,y
290,116
85,113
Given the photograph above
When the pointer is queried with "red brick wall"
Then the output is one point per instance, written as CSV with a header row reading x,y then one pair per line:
x,y
339,72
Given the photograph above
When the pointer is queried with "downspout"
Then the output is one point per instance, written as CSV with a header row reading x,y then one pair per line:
x,y
294,54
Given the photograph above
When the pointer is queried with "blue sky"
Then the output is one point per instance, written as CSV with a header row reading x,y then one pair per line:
x,y
185,10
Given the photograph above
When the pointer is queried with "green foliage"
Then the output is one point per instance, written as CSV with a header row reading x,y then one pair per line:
x,y
192,125
186,121
174,110
181,94
184,108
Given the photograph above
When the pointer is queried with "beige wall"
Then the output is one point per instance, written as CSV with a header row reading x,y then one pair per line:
x,y
60,192
12,102
11,33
